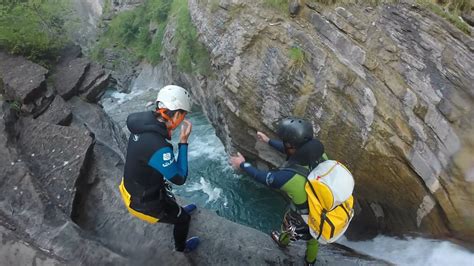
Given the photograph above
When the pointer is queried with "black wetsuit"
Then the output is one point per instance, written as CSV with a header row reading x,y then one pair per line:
x,y
150,160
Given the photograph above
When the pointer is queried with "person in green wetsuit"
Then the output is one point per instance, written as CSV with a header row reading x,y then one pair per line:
x,y
301,148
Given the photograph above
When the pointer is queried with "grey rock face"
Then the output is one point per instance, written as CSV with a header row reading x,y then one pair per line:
x,y
95,92
95,82
23,80
104,130
28,214
58,113
294,7
388,90
69,76
16,251
94,72
57,157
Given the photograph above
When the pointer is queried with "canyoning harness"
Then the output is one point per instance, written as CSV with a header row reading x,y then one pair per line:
x,y
330,202
295,226
146,203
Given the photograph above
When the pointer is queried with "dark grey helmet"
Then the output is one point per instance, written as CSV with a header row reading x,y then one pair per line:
x,y
295,131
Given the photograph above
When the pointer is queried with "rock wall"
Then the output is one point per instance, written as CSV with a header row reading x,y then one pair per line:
x,y
388,90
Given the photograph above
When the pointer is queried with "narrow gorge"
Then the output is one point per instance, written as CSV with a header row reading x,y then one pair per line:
x,y
388,88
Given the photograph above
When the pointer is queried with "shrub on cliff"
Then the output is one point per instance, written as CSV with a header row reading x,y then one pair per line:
x,y
35,29
139,33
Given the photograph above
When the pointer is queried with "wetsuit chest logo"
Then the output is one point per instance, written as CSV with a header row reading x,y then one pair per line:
x,y
166,156
135,137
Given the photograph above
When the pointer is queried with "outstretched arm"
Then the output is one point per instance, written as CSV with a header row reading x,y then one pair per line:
x,y
274,179
276,144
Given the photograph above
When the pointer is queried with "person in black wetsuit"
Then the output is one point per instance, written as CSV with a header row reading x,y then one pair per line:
x,y
150,163
301,149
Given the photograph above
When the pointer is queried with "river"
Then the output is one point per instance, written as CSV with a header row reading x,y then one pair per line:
x,y
212,184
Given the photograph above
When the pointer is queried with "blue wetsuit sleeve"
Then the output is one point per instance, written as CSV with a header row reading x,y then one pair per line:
x,y
277,145
173,170
183,158
274,179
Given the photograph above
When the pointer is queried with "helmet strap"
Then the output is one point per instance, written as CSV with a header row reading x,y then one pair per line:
x,y
168,116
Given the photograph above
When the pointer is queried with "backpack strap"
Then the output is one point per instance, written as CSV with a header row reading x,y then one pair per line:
x,y
299,169
303,171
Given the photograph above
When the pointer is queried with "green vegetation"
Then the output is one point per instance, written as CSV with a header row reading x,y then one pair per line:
x,y
132,31
456,5
214,5
281,5
450,10
192,56
297,57
139,33
35,29
15,105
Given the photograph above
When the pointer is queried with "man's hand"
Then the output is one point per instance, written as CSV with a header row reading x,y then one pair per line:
x,y
236,160
262,137
186,128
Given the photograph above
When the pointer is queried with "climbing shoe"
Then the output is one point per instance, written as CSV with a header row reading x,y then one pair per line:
x,y
191,244
190,208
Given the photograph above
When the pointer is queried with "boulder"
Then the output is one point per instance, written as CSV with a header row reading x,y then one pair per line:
x,y
31,223
95,92
68,77
58,113
69,53
57,157
95,72
294,7
105,131
23,80
469,19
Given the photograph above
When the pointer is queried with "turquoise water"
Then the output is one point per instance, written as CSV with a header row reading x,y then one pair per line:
x,y
211,183
214,185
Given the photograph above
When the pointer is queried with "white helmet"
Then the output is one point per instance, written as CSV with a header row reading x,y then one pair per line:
x,y
174,98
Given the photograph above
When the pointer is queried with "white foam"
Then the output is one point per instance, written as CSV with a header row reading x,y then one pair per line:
x,y
123,97
213,193
205,142
412,251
